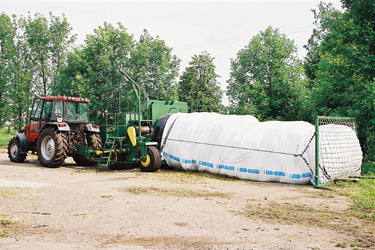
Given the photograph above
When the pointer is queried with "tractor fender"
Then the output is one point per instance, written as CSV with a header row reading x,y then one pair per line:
x,y
62,126
23,142
91,128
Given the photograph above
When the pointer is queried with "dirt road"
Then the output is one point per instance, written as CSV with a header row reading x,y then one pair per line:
x,y
84,208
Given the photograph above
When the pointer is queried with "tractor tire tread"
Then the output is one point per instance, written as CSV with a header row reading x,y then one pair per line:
x,y
155,158
21,156
61,148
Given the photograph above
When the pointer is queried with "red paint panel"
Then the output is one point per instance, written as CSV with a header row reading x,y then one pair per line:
x,y
32,136
32,131
65,98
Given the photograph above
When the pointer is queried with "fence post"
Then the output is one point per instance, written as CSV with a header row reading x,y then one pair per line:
x,y
317,174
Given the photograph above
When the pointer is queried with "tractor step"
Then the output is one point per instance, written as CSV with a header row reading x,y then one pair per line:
x,y
107,151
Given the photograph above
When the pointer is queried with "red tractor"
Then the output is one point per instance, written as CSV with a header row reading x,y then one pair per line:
x,y
55,127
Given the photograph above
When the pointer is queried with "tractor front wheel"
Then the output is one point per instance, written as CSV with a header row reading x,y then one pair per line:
x,y
52,148
152,162
14,151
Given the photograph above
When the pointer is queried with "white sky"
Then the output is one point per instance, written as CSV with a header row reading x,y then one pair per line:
x,y
221,28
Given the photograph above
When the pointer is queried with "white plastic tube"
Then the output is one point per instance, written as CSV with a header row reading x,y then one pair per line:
x,y
245,148
239,146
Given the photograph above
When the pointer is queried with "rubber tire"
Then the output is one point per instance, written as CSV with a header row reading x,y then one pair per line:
x,y
61,148
18,157
158,134
155,160
94,141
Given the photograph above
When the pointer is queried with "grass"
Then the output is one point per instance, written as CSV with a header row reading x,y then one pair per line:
x,y
5,137
190,177
315,217
170,242
342,245
6,192
358,220
363,195
287,213
6,223
180,192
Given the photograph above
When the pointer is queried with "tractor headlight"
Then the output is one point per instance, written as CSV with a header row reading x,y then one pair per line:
x,y
59,119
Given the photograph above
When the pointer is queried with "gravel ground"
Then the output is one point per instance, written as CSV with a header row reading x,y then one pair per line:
x,y
85,208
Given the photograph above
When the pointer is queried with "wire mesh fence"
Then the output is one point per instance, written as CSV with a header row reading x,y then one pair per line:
x,y
338,153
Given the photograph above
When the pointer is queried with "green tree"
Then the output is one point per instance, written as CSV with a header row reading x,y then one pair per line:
x,y
325,19
92,71
198,85
341,66
154,68
20,79
31,53
267,78
15,79
7,37
38,40
47,42
61,38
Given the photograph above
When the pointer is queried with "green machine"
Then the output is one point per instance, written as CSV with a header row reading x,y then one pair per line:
x,y
133,138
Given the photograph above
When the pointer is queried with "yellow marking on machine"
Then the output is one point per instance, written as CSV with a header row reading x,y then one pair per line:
x,y
104,152
110,129
132,135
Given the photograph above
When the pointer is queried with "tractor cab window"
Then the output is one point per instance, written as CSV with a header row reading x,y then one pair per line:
x,y
57,110
47,111
35,115
76,112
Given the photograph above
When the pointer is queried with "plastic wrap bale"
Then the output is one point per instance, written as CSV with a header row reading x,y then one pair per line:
x,y
240,146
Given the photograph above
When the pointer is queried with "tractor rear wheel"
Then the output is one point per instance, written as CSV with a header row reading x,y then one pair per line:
x,y
94,141
14,151
52,148
153,160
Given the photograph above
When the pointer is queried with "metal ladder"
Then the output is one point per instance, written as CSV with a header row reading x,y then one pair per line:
x,y
109,145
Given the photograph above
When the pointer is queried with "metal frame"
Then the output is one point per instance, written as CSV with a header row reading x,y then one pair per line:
x,y
317,148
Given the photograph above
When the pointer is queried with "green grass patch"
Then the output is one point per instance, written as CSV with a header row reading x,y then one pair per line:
x,y
5,136
363,195
342,245
5,224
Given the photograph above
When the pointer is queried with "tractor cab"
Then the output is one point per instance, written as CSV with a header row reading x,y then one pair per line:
x,y
63,113
61,109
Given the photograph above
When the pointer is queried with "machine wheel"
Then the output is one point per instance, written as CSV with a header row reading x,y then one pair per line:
x,y
153,161
158,134
14,151
52,148
94,141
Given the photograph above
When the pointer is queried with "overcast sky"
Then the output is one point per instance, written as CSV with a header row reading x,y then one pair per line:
x,y
221,28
